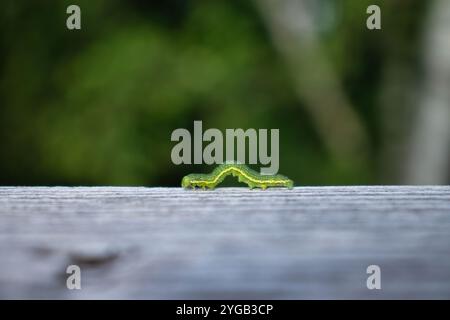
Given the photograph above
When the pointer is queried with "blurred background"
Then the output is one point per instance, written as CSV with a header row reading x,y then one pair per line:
x,y
97,106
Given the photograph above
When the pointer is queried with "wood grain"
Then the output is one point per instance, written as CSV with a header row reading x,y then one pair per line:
x,y
158,243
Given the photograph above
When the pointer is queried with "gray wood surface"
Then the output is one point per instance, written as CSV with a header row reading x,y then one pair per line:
x,y
310,242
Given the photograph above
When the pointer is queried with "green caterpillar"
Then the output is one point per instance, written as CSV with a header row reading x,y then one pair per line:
x,y
252,178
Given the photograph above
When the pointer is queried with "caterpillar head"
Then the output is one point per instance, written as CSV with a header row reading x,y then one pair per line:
x,y
186,182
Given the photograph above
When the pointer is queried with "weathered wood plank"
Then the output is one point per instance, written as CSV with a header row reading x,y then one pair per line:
x,y
310,242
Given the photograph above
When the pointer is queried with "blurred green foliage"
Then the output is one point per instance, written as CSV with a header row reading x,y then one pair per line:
x,y
97,106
